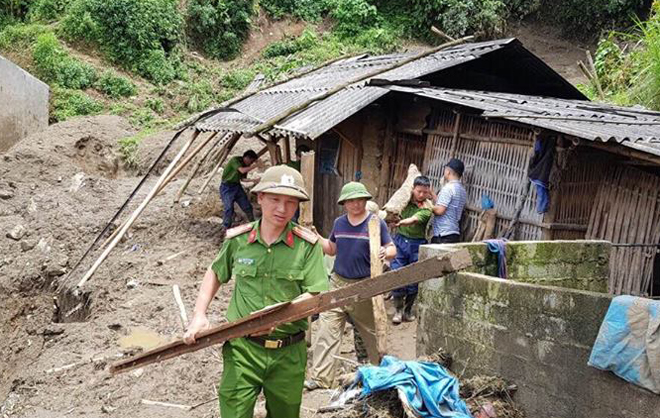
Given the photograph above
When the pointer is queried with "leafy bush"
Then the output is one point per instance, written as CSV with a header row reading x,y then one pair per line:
x,y
238,79
484,18
353,16
586,18
115,86
68,103
48,10
55,65
219,27
20,37
142,36
309,10
307,40
14,10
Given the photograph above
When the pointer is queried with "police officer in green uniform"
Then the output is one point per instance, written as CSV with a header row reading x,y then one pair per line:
x,y
271,260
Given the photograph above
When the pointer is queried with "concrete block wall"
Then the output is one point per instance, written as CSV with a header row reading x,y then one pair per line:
x,y
23,104
574,264
536,336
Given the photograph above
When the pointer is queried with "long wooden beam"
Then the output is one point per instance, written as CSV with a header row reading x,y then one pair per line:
x,y
292,311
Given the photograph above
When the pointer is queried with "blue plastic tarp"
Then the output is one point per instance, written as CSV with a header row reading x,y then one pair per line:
x,y
425,388
628,343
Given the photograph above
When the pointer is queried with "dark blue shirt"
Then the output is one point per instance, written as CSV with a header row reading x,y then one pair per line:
x,y
352,260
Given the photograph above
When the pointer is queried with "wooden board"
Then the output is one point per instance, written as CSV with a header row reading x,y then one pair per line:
x,y
380,313
267,318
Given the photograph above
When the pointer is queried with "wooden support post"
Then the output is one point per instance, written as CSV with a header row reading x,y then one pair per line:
x,y
272,152
286,312
223,156
306,218
137,211
195,169
380,314
287,150
262,151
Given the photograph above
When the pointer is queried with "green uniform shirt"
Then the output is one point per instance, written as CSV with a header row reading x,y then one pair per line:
x,y
294,164
230,174
266,275
417,230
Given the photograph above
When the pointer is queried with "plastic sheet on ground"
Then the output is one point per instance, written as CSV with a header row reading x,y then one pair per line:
x,y
628,342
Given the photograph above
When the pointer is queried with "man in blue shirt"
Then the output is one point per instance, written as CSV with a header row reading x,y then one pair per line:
x,y
349,241
449,205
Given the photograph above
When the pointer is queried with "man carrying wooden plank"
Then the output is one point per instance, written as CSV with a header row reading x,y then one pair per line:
x,y
231,191
349,241
410,234
272,261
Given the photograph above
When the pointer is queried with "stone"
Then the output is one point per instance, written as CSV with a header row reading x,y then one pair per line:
x,y
17,233
6,194
77,182
132,284
28,244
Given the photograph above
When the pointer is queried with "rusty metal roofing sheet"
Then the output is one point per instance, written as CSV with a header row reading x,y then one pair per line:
x,y
635,128
321,116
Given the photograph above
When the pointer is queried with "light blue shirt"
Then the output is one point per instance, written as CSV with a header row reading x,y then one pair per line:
x,y
453,197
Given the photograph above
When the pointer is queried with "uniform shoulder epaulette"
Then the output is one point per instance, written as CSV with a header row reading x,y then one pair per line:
x,y
306,234
239,230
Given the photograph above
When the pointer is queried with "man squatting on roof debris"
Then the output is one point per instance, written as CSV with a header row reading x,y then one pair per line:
x,y
410,234
349,241
235,171
271,261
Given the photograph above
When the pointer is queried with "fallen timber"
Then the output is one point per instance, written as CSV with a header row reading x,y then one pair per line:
x,y
282,313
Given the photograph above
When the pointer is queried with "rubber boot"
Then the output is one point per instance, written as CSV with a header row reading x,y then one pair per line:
x,y
408,314
398,314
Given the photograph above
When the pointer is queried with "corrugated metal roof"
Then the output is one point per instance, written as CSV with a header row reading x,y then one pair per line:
x,y
635,128
323,115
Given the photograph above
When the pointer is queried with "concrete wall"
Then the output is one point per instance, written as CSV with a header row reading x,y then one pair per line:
x,y
536,336
23,104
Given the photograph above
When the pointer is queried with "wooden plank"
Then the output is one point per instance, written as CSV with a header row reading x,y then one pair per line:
x,y
306,218
268,318
287,150
380,314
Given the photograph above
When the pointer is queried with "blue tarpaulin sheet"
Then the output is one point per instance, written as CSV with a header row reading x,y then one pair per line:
x,y
628,343
426,389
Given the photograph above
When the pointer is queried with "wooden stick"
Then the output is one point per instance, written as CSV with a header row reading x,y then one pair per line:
x,y
380,314
182,309
272,152
195,169
270,317
287,150
276,119
586,72
441,34
592,67
167,405
307,171
221,160
137,211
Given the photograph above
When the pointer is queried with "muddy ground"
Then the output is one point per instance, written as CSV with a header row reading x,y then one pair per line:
x,y
60,186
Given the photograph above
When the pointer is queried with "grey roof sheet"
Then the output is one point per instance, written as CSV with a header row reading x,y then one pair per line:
x,y
635,128
323,115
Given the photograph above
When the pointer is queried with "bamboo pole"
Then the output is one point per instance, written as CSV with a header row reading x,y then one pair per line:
x,y
273,121
380,314
592,67
307,170
221,160
195,169
441,34
138,211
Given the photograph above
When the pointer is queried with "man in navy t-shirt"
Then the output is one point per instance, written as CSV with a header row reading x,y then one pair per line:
x,y
349,241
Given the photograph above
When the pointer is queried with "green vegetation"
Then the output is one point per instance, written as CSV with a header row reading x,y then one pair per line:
x,y
115,86
68,103
55,66
630,74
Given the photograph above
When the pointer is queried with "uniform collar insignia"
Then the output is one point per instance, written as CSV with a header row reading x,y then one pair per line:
x,y
253,236
289,239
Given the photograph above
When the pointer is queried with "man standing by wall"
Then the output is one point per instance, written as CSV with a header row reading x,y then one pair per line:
x,y
271,261
449,205
349,241
231,190
410,234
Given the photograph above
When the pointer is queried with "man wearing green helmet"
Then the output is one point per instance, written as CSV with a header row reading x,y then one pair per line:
x,y
271,260
349,241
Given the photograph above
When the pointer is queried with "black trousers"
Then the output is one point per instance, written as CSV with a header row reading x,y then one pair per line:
x,y
447,239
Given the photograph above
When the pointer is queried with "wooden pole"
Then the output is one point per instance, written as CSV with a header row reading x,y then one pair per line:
x,y
286,312
272,152
306,218
195,169
221,160
380,314
182,309
592,67
137,211
276,119
441,34
287,150
454,139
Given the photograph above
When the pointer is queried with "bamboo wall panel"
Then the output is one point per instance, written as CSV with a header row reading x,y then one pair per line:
x,y
626,210
496,156
408,149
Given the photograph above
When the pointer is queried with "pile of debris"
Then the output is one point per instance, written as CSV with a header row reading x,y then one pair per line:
x,y
485,396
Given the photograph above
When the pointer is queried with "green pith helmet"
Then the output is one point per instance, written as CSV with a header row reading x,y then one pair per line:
x,y
353,190
281,179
